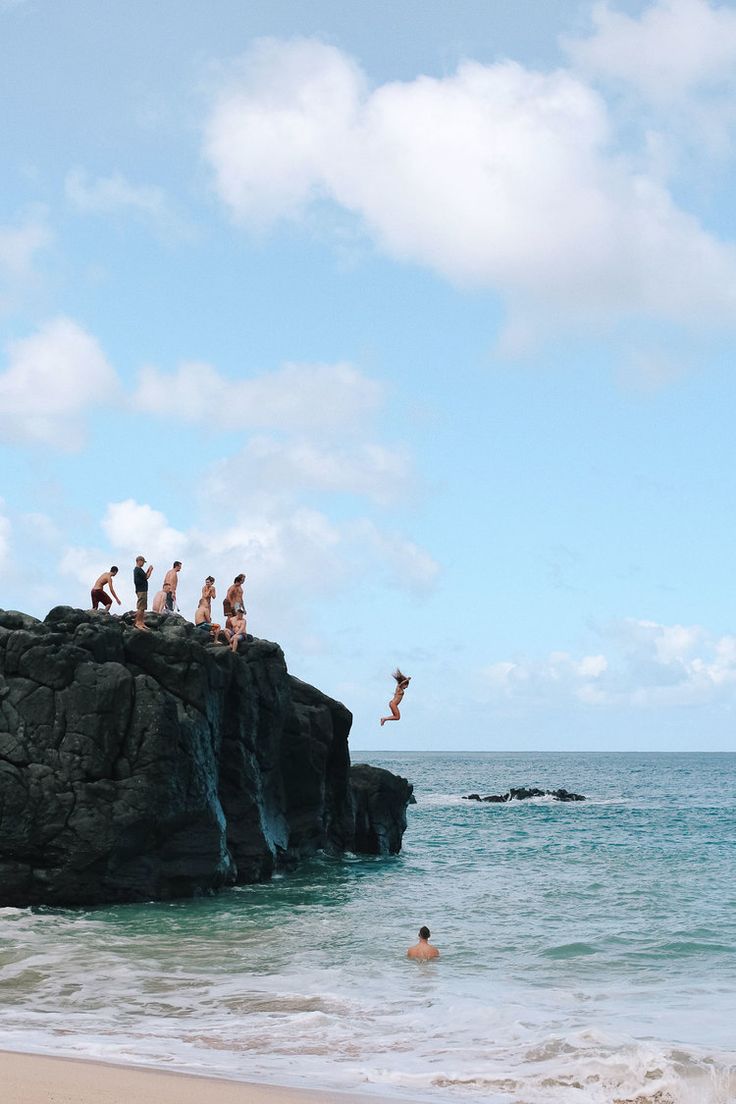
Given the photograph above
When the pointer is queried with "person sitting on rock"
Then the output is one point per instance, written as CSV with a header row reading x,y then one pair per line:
x,y
422,949
160,604
203,620
202,617
238,630
402,681
98,590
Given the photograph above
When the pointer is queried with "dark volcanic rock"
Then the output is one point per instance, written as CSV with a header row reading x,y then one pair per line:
x,y
523,794
381,799
138,766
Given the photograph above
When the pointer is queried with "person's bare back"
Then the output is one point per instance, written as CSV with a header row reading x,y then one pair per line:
x,y
422,950
99,597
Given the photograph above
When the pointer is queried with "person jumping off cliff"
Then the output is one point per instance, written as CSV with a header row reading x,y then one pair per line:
x,y
402,681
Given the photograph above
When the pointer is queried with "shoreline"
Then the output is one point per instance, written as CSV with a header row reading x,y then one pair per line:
x,y
32,1078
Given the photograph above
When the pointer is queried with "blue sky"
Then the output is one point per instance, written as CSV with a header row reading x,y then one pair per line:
x,y
422,315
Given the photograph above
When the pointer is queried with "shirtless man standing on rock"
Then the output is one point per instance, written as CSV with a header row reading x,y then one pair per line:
x,y
98,592
422,949
233,600
171,578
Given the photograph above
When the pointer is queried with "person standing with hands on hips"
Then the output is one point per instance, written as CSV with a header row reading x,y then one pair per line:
x,y
140,585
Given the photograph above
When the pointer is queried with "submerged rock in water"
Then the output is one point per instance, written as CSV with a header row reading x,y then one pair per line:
x,y
151,765
523,794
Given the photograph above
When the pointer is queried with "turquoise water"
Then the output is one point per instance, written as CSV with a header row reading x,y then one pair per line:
x,y
588,950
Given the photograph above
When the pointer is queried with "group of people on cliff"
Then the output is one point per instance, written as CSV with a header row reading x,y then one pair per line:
x,y
231,632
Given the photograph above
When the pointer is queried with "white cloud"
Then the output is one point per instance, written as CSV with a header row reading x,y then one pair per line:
x,y
650,367
84,565
558,673
112,193
275,124
407,565
497,176
674,49
321,413
592,666
19,246
298,552
137,529
52,379
649,665
312,397
268,467
41,529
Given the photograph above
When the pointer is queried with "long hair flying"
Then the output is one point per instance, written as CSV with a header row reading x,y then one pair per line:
x,y
399,677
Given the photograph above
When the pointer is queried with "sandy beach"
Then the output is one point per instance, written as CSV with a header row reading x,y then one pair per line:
x,y
38,1079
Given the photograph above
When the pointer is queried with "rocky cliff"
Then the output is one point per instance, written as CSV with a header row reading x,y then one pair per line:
x,y
139,766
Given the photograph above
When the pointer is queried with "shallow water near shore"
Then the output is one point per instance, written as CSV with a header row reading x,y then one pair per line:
x,y
588,949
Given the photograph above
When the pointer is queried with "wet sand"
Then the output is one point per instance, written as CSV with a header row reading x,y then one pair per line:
x,y
37,1079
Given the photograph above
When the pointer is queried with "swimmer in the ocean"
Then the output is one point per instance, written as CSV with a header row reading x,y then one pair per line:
x,y
422,949
402,681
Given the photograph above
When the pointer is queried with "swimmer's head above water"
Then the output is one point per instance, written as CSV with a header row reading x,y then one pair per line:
x,y
422,949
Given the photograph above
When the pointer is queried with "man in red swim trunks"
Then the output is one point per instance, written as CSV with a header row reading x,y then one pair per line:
x,y
98,590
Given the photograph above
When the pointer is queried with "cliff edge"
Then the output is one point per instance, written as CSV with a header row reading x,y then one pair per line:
x,y
140,766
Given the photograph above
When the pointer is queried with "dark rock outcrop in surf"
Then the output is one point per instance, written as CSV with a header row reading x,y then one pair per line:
x,y
381,799
138,766
523,794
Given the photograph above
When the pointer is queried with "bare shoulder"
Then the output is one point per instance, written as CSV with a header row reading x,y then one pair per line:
x,y
423,953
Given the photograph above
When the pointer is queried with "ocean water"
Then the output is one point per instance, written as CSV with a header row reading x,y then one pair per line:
x,y
588,951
